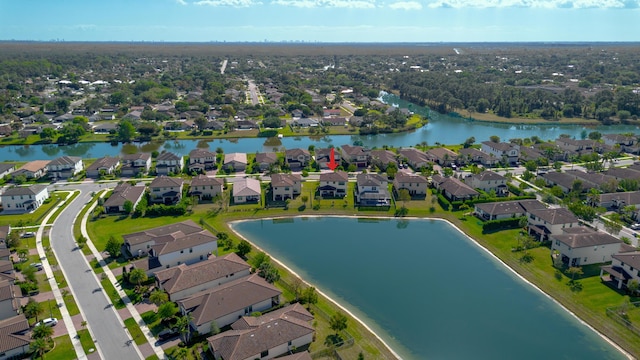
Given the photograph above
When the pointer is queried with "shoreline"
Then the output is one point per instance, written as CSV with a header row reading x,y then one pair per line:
x,y
476,243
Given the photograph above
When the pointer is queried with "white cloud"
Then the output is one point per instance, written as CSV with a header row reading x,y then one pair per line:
x,y
230,3
346,4
544,4
406,5
181,2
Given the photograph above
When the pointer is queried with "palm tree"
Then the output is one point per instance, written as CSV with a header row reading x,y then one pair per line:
x,y
158,297
42,332
183,326
40,346
137,276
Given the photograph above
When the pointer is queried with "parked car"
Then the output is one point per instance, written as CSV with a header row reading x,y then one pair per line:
x,y
167,334
38,266
635,227
48,322
29,234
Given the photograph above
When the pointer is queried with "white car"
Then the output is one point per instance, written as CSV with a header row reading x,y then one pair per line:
x,y
635,227
48,322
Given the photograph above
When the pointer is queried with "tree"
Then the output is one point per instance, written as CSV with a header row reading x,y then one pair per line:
x,y
126,131
243,248
467,143
167,310
128,206
158,297
404,195
137,276
338,322
42,331
272,122
494,138
612,226
184,327
573,271
40,346
269,272
201,122
82,241
633,286
32,309
113,247
310,296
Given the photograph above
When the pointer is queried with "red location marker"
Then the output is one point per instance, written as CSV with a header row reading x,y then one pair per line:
x,y
332,160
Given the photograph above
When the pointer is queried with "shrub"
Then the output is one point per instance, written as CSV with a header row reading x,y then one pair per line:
x,y
501,224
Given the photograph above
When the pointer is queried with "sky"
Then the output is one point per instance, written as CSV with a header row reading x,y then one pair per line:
x,y
321,20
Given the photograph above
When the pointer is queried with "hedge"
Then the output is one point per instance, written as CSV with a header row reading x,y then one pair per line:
x,y
443,202
502,224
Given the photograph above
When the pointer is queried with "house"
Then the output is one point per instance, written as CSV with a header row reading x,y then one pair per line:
x,y
624,268
594,180
264,337
9,298
330,112
201,160
414,157
105,165
501,150
5,130
105,128
564,181
64,167
226,303
453,189
135,164
619,139
140,243
415,184
382,159
473,155
297,158
506,209
14,338
206,188
247,190
122,193
266,160
165,190
323,157
442,156
334,121
546,222
235,161
621,173
333,184
305,122
372,190
355,155
580,245
488,181
285,186
6,169
246,124
183,281
33,169
20,199
169,163
617,201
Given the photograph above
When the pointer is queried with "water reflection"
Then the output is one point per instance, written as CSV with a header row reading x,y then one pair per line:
x,y
203,144
25,150
51,150
79,149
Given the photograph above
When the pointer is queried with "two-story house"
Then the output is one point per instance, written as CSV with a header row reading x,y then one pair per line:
x,y
6,169
169,163
488,181
333,184
139,243
543,223
285,186
355,155
206,188
581,245
266,160
501,150
415,184
105,165
201,160
19,199
625,267
166,190
297,158
235,162
123,193
323,157
135,164
453,189
183,281
9,298
372,190
64,167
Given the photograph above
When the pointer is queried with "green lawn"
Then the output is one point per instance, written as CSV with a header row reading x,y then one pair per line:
x,y
135,331
63,195
63,349
112,293
35,218
86,340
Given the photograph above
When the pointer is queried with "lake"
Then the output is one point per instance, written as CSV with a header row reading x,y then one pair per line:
x,y
426,289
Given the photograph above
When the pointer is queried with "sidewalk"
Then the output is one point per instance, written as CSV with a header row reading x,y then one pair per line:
x,y
130,307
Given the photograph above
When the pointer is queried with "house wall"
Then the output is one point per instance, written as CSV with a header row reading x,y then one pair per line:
x,y
634,272
234,316
207,190
586,255
283,191
14,203
15,353
555,229
486,185
188,256
183,294
413,188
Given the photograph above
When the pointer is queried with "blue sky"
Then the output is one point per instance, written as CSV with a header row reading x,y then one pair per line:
x,y
321,20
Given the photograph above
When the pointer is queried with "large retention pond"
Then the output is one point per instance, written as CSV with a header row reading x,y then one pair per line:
x,y
426,289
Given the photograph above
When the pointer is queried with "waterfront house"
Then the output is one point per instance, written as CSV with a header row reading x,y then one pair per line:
x,y
6,169
183,281
166,190
372,190
105,165
453,189
285,186
135,164
105,128
206,188
246,190
226,303
333,184
355,155
297,158
442,156
621,140
382,159
33,169
169,163
21,199
488,181
270,335
266,160
235,162
323,157
64,167
14,337
543,223
415,184
581,245
473,155
201,160
625,267
414,157
507,152
139,243
506,209
122,193
564,181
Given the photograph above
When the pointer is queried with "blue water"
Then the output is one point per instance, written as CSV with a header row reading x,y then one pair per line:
x,y
427,290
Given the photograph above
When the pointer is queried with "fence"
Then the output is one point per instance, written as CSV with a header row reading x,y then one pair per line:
x,y
619,314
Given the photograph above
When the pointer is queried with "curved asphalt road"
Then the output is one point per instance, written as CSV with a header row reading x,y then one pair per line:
x,y
85,286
